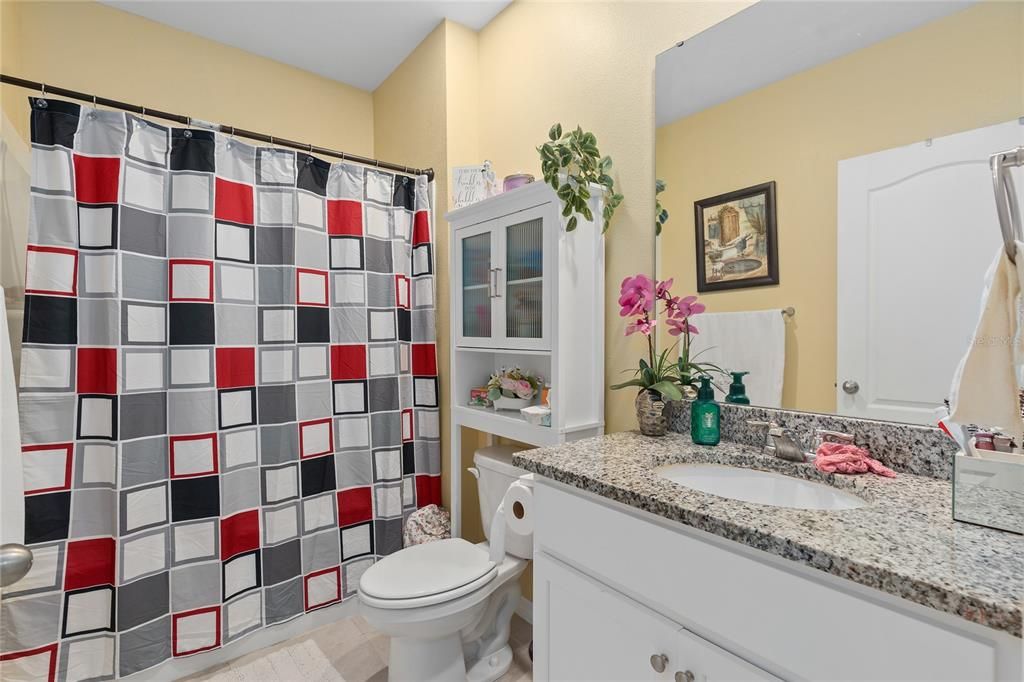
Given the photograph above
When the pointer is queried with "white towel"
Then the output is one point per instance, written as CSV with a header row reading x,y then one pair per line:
x,y
12,485
985,389
752,342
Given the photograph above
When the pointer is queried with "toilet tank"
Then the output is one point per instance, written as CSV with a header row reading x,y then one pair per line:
x,y
496,474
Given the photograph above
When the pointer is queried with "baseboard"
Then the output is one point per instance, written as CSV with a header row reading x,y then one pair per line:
x,y
525,610
177,668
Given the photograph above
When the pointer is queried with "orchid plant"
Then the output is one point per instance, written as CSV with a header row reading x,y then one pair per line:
x,y
642,300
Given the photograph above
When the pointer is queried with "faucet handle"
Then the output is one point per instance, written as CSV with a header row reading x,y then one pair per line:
x,y
771,429
826,436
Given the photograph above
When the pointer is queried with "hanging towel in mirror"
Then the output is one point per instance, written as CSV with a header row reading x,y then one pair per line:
x,y
985,389
754,342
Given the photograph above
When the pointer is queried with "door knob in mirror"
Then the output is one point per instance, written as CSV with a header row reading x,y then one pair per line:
x,y
15,562
850,387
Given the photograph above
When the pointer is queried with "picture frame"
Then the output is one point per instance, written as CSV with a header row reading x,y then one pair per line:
x,y
737,239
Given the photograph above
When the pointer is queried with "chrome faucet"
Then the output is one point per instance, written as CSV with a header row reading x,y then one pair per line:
x,y
781,443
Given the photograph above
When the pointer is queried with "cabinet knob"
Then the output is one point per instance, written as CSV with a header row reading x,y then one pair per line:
x,y
659,662
684,676
850,387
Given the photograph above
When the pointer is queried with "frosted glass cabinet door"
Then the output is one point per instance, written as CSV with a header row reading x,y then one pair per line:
x,y
523,284
476,256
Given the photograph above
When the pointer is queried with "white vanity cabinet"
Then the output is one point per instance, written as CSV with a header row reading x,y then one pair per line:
x,y
615,586
597,634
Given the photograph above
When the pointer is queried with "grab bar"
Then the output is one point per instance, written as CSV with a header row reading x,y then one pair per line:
x,y
1006,197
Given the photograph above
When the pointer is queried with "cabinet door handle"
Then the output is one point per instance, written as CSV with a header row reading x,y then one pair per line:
x,y
497,283
490,283
659,662
684,676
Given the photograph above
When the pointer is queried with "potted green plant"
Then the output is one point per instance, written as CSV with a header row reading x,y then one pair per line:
x,y
570,163
660,213
659,378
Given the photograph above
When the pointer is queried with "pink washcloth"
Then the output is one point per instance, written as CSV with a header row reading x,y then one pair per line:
x,y
844,458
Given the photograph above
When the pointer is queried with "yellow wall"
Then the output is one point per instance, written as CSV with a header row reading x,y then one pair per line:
x,y
90,47
958,73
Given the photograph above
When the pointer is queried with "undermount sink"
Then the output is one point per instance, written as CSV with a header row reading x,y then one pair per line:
x,y
762,487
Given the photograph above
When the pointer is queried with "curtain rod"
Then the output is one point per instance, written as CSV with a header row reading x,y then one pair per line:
x,y
231,130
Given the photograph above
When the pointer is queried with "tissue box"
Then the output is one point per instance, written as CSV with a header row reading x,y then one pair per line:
x,y
537,415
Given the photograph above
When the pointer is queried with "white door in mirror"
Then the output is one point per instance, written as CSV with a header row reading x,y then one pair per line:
x,y
917,229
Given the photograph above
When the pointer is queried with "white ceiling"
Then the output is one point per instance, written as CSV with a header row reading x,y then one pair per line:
x,y
774,39
359,42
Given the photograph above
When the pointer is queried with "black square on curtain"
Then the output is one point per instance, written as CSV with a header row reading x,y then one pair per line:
x,y
405,192
191,324
54,122
313,324
192,150
195,498
312,174
47,517
51,319
317,475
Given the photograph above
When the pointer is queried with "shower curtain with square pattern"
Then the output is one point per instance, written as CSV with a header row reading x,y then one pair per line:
x,y
229,396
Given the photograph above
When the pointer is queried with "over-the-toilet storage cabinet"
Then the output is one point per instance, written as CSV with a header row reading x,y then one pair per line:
x,y
526,293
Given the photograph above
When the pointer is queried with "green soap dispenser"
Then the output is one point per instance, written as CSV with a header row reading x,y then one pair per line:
x,y
705,415
737,391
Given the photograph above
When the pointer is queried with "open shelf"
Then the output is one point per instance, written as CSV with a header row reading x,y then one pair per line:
x,y
505,423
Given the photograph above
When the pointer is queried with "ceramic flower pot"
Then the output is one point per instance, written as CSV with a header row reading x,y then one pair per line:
x,y
651,413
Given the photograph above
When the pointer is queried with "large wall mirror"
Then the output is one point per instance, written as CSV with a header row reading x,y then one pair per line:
x,y
829,196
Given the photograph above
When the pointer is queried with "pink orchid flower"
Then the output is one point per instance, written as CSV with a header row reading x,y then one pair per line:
x,y
678,325
663,287
687,306
636,295
645,327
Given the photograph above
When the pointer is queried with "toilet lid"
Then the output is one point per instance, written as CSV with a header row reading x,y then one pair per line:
x,y
427,569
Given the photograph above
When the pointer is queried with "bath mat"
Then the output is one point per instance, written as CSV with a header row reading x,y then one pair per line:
x,y
303,661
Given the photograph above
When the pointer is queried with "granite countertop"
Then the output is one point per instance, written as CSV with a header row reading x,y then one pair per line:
x,y
904,541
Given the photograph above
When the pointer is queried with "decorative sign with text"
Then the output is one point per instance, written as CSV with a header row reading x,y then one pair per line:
x,y
469,185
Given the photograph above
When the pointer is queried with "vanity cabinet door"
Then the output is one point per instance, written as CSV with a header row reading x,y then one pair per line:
x,y
590,632
698,660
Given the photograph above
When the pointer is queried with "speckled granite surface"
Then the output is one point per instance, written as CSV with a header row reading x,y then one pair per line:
x,y
911,448
903,542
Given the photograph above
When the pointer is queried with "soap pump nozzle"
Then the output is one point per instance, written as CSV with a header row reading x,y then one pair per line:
x,y
737,391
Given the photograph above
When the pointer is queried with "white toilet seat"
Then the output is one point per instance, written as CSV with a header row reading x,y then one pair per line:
x,y
427,574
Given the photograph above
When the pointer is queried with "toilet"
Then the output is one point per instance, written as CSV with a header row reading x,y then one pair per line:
x,y
448,605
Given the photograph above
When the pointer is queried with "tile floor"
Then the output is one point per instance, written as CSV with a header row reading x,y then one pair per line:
x,y
360,654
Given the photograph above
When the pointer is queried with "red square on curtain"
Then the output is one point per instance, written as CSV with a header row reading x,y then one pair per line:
x,y
45,657
424,360
355,505
344,217
90,563
239,533
348,362
236,367
421,229
97,179
428,490
233,202
97,370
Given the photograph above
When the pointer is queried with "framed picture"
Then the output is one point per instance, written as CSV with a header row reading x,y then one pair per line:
x,y
737,245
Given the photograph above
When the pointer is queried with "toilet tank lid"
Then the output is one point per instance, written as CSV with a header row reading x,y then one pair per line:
x,y
499,458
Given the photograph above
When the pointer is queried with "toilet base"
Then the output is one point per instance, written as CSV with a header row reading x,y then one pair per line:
x,y
413,659
492,667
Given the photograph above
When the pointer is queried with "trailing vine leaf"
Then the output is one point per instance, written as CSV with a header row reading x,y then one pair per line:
x,y
575,156
660,214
